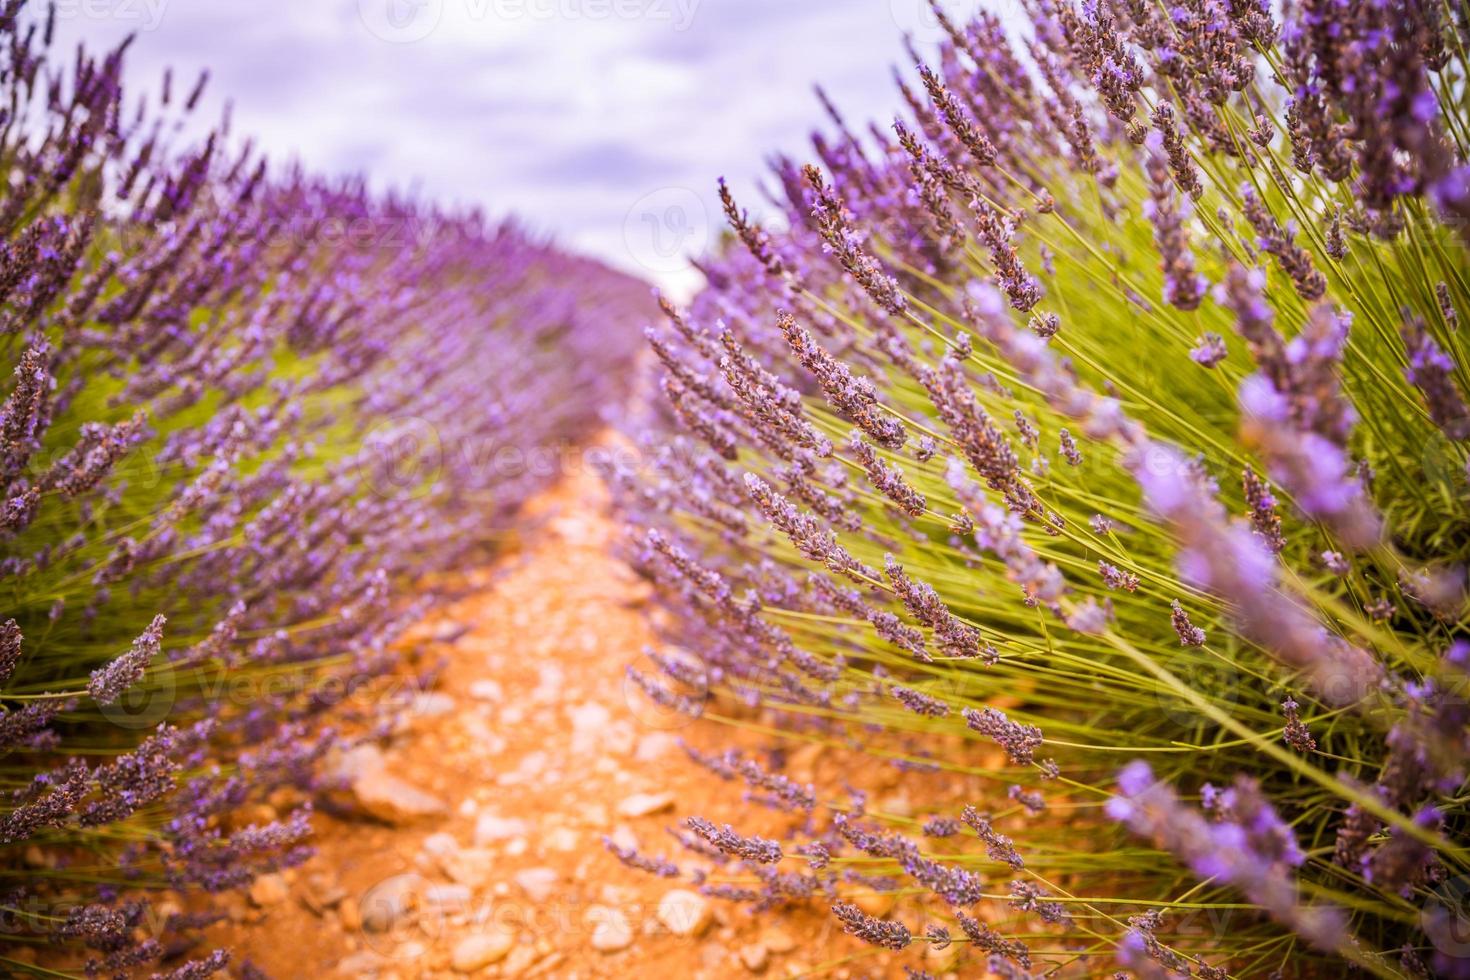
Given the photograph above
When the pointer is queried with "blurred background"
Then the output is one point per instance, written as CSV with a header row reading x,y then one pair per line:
x,y
603,123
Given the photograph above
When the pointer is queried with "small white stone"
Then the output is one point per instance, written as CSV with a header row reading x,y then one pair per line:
x,y
897,804
449,631
755,957
389,901
654,746
356,761
393,800
645,804
488,691
537,883
476,952
618,738
617,894
472,867
360,964
684,913
624,837
491,828
440,845
432,704
321,892
521,959
589,721
451,896
563,840
268,890
610,931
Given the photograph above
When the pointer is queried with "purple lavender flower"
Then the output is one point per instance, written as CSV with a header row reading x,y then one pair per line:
x,y
878,932
986,939
941,827
1115,578
1019,740
1230,560
10,641
1184,288
111,682
1264,519
1275,240
1027,896
662,867
1296,733
886,479
920,703
1032,801
1189,634
956,638
1249,847
1026,429
1069,448
757,849
1091,616
1432,371
855,398
1209,350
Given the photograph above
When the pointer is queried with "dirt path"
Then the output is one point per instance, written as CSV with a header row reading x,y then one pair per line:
x,y
495,792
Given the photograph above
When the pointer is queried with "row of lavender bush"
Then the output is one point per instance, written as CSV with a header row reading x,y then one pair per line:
x,y
250,412
1109,409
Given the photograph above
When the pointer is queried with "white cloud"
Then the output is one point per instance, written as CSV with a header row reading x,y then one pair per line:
x,y
596,120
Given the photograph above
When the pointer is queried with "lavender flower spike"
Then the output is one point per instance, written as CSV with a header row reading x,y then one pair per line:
x,y
111,682
1190,635
757,849
1248,847
920,703
870,929
1209,350
1432,371
1020,741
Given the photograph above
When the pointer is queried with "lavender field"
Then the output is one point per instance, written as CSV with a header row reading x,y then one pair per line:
x,y
1015,522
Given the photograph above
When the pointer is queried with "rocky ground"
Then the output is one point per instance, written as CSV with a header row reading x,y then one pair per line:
x,y
472,842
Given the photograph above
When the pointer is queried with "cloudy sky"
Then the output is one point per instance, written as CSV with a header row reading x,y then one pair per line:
x,y
602,122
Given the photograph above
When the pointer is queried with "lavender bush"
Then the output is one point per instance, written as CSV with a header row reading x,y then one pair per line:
x,y
247,409
1107,412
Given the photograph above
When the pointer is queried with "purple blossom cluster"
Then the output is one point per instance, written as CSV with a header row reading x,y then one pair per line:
x,y
248,409
872,462
1247,846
